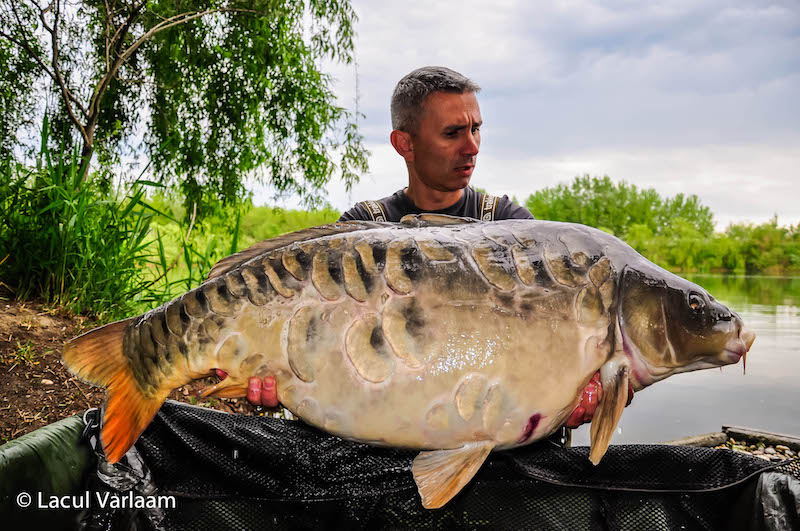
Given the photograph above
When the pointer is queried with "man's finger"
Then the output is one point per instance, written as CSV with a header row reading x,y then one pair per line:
x,y
576,419
254,391
591,398
269,392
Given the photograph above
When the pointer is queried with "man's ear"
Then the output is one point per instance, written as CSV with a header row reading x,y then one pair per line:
x,y
401,141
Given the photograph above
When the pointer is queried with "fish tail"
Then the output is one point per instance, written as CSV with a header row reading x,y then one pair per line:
x,y
97,357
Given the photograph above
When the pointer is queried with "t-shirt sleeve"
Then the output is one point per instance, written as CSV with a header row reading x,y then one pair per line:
x,y
507,209
357,213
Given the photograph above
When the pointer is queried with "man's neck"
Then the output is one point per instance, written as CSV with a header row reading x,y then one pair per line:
x,y
426,198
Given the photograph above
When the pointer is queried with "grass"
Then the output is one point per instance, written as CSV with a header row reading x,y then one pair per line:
x,y
68,242
25,354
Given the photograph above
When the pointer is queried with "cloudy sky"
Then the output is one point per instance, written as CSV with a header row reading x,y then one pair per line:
x,y
700,97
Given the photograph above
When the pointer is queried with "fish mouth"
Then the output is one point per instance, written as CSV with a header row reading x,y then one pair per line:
x,y
737,348
748,336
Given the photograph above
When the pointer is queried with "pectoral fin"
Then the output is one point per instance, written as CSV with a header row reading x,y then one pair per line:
x,y
614,378
441,474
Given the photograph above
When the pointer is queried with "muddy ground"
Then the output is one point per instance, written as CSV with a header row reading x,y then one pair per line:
x,y
36,389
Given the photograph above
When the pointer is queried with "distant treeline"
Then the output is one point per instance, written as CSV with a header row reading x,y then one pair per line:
x,y
676,232
115,252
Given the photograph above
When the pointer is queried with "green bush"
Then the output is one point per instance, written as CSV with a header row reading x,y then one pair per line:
x,y
63,241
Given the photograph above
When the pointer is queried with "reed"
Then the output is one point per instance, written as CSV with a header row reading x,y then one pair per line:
x,y
65,241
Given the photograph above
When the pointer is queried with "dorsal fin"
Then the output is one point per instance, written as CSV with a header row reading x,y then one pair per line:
x,y
235,260
425,220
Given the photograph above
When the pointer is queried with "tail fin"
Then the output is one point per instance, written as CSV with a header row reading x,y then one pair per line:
x,y
96,357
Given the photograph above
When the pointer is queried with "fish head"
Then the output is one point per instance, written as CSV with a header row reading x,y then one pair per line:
x,y
671,325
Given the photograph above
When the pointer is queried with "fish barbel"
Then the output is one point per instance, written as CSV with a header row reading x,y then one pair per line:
x,y
447,335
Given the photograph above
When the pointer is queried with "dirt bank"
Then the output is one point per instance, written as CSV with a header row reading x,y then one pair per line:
x,y
36,389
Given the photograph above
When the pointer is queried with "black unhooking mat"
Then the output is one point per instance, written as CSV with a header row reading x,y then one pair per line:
x,y
240,472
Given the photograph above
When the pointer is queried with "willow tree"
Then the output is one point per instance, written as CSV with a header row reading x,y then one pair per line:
x,y
212,91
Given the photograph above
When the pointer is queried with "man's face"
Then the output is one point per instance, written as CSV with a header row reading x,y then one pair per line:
x,y
447,139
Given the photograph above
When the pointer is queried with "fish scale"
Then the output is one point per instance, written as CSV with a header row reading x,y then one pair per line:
x,y
436,333
399,269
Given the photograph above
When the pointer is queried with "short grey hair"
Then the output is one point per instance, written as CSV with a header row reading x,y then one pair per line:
x,y
411,91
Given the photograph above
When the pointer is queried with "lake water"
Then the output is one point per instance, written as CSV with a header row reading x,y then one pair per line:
x,y
766,398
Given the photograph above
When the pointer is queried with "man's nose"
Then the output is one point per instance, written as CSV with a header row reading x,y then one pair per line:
x,y
471,145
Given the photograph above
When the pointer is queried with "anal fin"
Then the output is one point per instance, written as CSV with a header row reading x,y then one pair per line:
x,y
614,376
227,388
441,474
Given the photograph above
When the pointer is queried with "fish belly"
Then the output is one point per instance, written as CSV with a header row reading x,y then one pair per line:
x,y
463,372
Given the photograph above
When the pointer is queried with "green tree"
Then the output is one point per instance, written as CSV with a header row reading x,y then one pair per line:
x,y
689,210
222,89
599,202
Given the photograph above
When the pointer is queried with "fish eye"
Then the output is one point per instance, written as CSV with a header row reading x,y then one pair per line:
x,y
696,303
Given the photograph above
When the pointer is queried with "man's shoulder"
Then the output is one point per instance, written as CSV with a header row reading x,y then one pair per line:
x,y
495,208
374,209
476,204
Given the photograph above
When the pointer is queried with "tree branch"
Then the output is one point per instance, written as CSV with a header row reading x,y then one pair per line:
x,y
48,7
24,45
34,56
24,42
68,97
112,69
124,27
180,19
109,23
175,20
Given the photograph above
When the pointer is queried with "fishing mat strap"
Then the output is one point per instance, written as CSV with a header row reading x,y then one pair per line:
x,y
488,206
375,210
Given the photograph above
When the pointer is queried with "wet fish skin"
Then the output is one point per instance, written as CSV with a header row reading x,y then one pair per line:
x,y
481,282
433,333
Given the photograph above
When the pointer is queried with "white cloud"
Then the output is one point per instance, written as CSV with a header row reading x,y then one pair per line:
x,y
683,96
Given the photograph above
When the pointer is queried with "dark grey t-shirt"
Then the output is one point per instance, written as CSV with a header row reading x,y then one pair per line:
x,y
471,205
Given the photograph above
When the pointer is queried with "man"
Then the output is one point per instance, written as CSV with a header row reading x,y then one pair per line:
x,y
436,123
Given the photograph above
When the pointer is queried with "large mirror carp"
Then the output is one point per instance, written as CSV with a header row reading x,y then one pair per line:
x,y
447,335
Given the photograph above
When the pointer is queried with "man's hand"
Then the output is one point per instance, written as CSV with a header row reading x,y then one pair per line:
x,y
260,392
592,395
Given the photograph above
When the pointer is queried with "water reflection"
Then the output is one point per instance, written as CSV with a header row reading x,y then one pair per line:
x,y
766,291
767,397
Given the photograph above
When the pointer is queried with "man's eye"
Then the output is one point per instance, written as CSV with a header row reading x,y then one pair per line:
x,y
476,130
451,134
